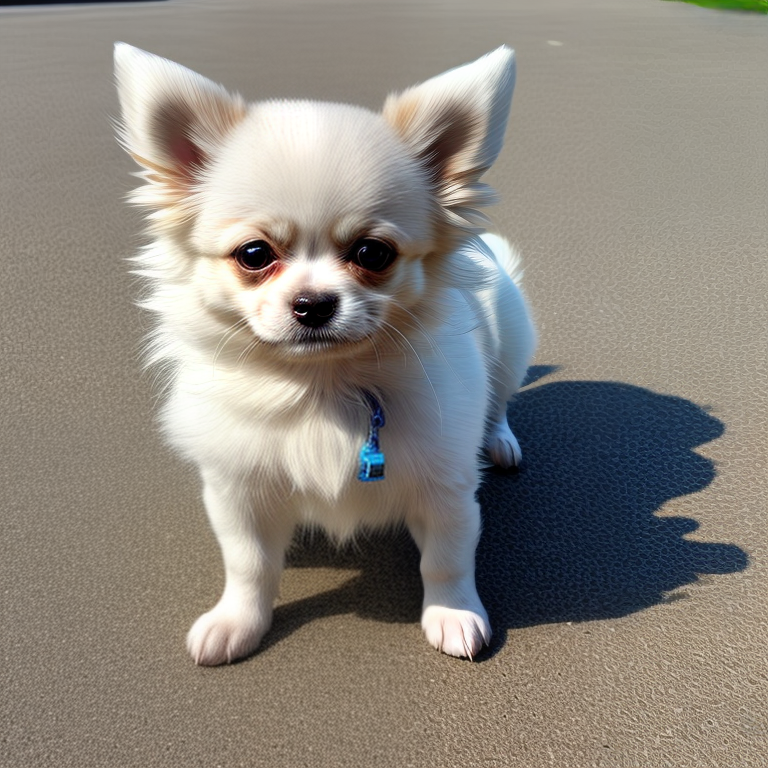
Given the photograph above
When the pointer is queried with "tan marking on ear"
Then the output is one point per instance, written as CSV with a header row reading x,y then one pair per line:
x,y
442,152
400,111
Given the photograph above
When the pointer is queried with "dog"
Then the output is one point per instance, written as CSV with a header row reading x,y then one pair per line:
x,y
340,334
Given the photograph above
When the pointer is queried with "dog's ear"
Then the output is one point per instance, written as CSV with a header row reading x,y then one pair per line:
x,y
172,118
454,125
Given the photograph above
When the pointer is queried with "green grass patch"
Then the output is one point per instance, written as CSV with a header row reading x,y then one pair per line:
x,y
756,6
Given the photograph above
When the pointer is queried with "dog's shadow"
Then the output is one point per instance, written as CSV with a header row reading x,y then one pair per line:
x,y
574,536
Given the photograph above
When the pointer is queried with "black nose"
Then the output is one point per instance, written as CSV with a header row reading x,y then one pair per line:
x,y
314,309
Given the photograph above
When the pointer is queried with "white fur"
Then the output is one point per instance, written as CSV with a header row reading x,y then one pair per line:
x,y
275,422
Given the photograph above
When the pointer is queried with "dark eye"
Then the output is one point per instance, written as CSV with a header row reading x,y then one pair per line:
x,y
373,255
254,256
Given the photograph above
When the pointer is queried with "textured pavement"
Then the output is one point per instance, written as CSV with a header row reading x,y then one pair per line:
x,y
624,569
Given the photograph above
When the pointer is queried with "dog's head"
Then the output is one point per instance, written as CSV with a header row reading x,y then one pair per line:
x,y
307,227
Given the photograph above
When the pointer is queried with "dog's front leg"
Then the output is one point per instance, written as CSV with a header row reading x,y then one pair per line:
x,y
253,543
446,532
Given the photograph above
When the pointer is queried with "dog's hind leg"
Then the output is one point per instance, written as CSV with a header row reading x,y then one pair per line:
x,y
513,339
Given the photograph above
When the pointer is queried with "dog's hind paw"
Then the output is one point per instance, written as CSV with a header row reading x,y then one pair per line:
x,y
502,446
455,632
221,637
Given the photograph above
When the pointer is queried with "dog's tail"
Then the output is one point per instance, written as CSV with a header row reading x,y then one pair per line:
x,y
506,255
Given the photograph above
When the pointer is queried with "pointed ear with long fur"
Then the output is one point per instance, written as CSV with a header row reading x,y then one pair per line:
x,y
454,125
172,118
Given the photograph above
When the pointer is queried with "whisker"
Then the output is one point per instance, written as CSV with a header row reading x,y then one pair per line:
x,y
426,375
398,345
372,340
226,337
419,326
243,356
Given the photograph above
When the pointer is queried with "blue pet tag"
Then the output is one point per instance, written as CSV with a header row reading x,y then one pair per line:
x,y
371,456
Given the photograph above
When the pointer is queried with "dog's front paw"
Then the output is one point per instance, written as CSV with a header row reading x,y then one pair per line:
x,y
456,632
502,446
223,635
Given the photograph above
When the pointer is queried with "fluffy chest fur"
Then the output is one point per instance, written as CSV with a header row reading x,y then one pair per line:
x,y
289,433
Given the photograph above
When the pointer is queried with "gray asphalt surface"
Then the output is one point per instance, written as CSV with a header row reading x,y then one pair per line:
x,y
624,569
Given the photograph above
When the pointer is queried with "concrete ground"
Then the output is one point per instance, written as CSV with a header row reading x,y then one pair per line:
x,y
624,569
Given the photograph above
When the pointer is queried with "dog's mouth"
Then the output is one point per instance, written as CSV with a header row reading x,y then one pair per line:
x,y
337,336
322,343
317,342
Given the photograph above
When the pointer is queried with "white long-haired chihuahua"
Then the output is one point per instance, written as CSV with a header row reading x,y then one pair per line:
x,y
340,337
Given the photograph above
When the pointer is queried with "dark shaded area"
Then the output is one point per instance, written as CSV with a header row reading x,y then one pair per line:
x,y
574,536
536,372
70,2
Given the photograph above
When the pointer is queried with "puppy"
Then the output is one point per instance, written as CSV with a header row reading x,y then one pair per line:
x,y
339,336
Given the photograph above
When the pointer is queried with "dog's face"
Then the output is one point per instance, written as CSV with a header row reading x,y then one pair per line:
x,y
308,227
312,223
